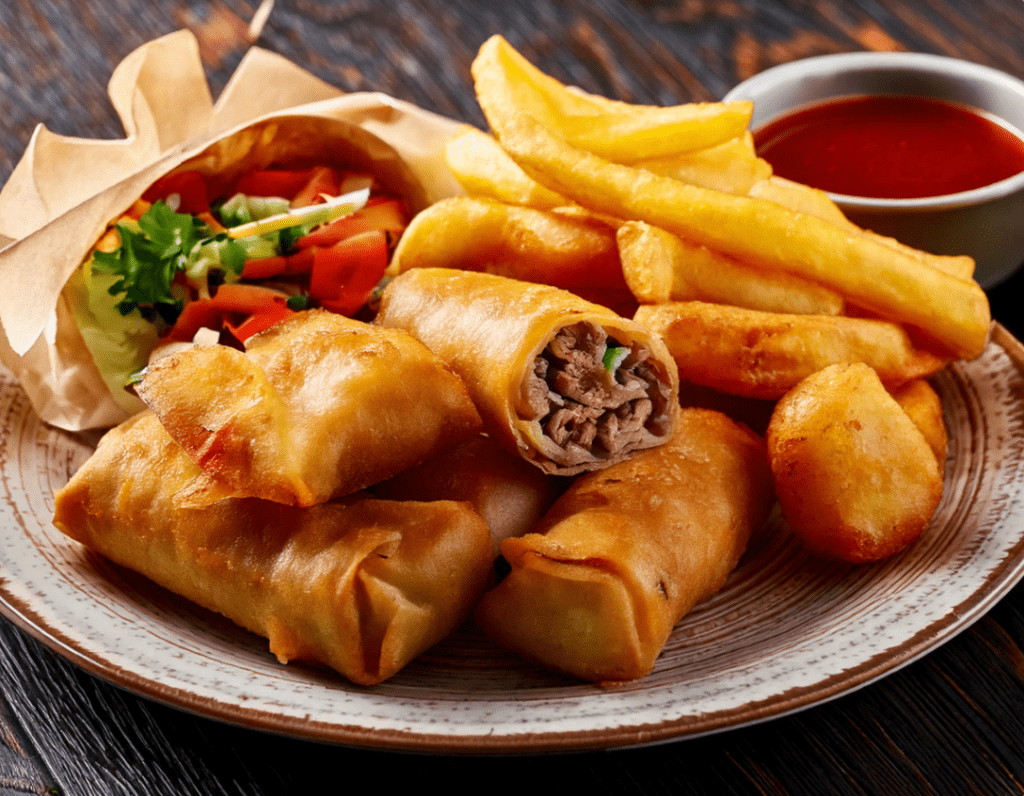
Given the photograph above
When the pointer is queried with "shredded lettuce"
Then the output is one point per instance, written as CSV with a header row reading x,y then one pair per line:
x,y
119,343
216,260
242,209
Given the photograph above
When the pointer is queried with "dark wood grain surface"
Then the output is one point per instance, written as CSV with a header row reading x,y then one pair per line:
x,y
951,723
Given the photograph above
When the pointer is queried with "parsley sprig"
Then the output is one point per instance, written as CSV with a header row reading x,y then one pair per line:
x,y
149,258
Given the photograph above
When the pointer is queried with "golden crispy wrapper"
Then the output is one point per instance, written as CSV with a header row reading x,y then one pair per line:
x,y
760,354
363,586
627,551
531,357
509,493
317,407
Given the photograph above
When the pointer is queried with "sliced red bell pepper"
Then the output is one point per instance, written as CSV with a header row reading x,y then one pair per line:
x,y
344,275
285,183
189,185
267,267
232,298
195,316
322,180
387,215
263,319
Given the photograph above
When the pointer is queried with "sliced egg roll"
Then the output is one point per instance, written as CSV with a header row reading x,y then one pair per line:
x,y
509,493
627,551
567,384
360,585
317,407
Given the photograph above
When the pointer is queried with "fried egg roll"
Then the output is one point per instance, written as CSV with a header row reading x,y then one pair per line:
x,y
360,585
568,385
509,493
317,407
627,551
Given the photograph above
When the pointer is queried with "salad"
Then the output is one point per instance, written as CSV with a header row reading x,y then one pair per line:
x,y
181,265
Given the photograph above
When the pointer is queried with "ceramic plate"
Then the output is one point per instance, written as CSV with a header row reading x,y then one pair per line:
x,y
787,632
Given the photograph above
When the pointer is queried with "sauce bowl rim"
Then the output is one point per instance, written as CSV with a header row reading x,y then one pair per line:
x,y
823,66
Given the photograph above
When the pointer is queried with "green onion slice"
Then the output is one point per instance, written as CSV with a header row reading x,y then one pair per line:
x,y
614,356
333,208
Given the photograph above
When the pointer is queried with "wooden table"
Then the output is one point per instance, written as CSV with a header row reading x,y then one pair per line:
x,y
951,723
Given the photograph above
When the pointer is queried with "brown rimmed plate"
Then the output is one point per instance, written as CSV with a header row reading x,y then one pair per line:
x,y
787,632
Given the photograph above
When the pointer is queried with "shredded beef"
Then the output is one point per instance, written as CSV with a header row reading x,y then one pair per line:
x,y
585,410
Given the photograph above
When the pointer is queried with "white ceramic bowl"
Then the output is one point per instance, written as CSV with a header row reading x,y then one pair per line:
x,y
986,223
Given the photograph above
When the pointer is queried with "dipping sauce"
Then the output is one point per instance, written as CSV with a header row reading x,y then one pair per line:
x,y
890,147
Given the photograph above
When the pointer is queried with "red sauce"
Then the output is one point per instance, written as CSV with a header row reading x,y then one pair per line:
x,y
890,148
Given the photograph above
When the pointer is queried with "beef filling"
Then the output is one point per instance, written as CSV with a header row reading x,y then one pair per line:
x,y
585,409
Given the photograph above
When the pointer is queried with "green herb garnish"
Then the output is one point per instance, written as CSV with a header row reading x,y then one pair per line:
x,y
614,356
149,257
154,251
135,378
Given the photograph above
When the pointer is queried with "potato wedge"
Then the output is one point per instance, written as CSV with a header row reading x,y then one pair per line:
x,y
923,405
507,86
854,476
764,354
659,266
899,287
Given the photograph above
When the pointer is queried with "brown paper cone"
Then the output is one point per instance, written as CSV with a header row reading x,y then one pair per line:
x,y
64,191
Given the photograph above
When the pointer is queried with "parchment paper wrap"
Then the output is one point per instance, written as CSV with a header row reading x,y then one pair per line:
x,y
64,191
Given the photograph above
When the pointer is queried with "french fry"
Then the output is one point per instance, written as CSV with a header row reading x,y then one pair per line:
x,y
801,199
484,169
763,354
574,252
899,287
804,199
507,85
659,266
732,167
